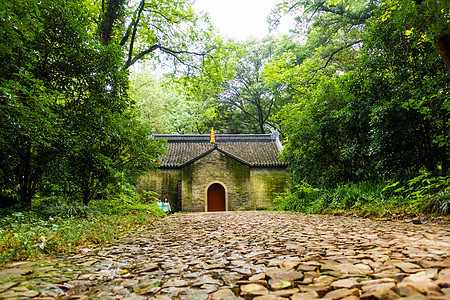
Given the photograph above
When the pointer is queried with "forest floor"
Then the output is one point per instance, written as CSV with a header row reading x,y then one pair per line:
x,y
248,255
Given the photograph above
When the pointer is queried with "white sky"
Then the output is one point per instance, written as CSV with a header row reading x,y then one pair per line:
x,y
240,19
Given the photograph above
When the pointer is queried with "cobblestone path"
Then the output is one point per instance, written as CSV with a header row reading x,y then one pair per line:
x,y
248,255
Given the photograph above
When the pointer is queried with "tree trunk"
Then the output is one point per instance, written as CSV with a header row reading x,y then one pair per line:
x,y
109,17
87,196
25,197
443,48
28,178
90,190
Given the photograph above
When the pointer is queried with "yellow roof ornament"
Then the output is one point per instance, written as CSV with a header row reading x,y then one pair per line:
x,y
213,139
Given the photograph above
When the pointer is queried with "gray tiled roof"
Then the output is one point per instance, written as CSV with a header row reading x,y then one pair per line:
x,y
255,150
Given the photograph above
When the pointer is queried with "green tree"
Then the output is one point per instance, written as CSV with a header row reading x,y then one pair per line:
x,y
386,119
167,108
123,145
46,69
151,96
246,101
333,30
142,28
63,98
327,136
412,114
336,25
429,17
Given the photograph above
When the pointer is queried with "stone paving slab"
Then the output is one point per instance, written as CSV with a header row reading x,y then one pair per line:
x,y
248,255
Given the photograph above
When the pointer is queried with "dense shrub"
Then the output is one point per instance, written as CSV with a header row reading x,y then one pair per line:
x,y
372,198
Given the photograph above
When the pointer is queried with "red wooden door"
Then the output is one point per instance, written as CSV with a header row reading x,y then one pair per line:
x,y
216,197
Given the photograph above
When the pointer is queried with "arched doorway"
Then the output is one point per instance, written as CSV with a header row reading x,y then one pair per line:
x,y
216,197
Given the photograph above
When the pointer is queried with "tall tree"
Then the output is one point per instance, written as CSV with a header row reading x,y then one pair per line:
x,y
151,96
245,97
63,95
386,119
44,71
413,116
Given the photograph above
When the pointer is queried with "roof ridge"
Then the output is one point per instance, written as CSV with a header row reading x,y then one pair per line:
x,y
220,138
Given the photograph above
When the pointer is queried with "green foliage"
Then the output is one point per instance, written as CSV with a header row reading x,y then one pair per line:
x,y
303,198
407,73
152,97
326,136
68,128
124,205
433,193
422,194
439,204
246,103
438,195
61,208
166,32
61,94
384,118
357,195
196,110
331,33
68,124
148,197
370,198
29,92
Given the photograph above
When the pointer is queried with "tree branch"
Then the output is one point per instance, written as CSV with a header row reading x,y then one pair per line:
x,y
127,33
133,36
330,57
174,53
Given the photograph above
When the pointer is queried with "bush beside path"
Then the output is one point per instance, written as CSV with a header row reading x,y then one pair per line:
x,y
248,255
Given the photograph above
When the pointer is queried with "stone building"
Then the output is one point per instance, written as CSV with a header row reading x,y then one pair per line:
x,y
219,172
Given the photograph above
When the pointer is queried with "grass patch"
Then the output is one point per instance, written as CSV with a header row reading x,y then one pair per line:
x,y
52,227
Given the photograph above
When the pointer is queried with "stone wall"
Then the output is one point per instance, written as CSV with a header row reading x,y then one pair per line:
x,y
246,188
266,183
216,167
164,183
